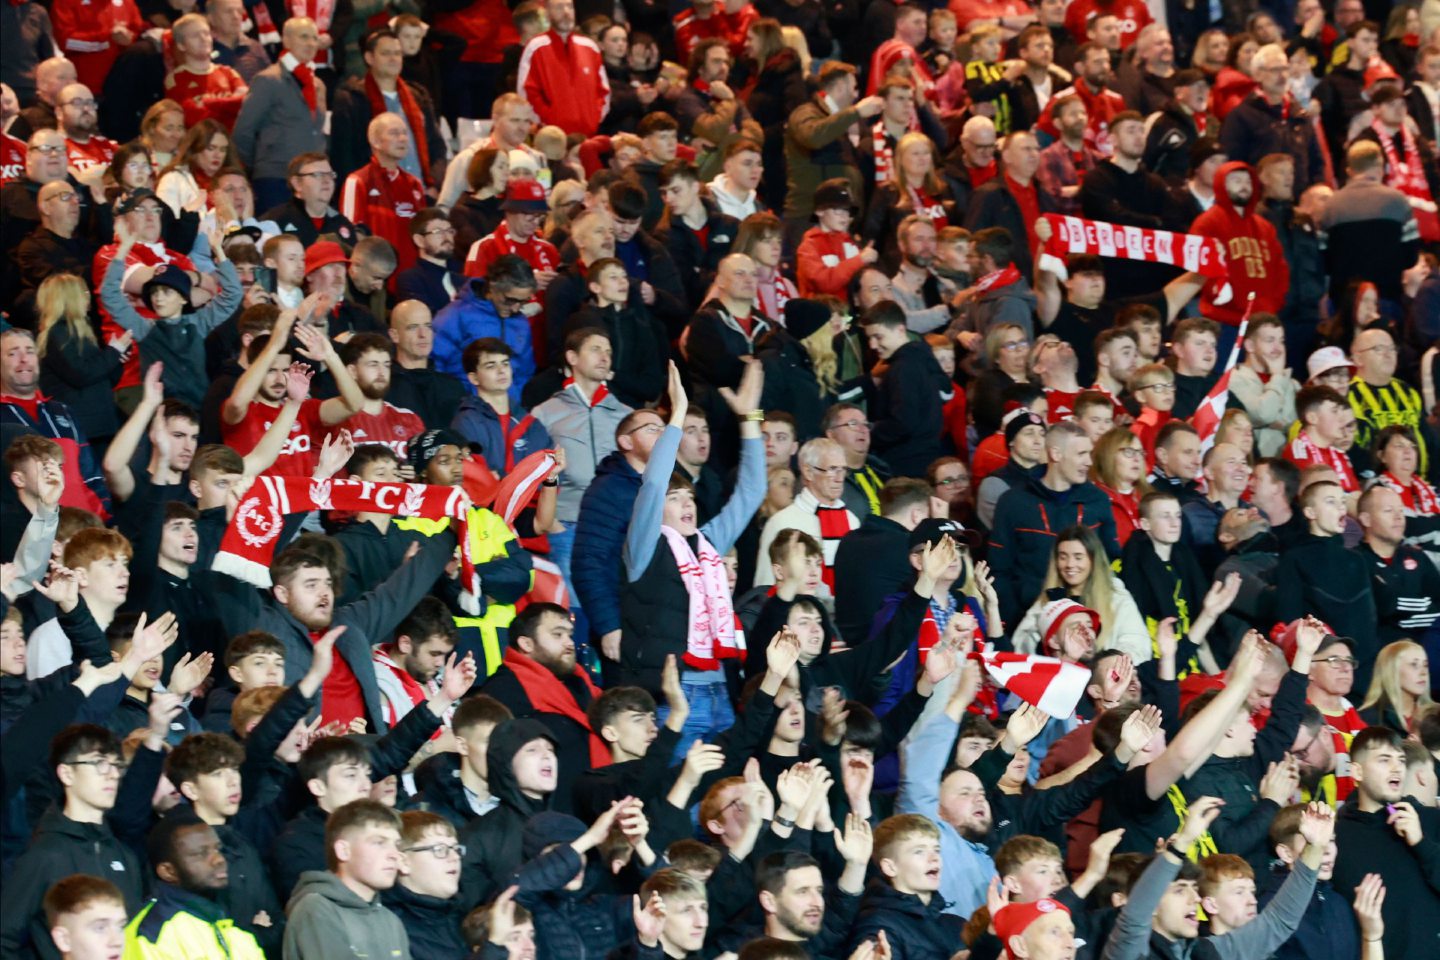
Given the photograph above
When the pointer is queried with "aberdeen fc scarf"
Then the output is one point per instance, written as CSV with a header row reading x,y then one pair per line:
x,y
1408,176
711,632
834,524
252,535
549,694
998,278
1188,251
413,117
884,153
304,74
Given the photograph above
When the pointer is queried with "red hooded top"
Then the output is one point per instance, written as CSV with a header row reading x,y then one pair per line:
x,y
1252,251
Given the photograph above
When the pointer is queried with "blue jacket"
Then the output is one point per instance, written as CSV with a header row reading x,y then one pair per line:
x,y
600,539
477,421
471,317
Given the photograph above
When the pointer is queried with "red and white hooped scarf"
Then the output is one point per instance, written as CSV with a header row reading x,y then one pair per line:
x,y
1306,450
1419,497
1408,176
711,636
834,524
925,206
304,74
998,278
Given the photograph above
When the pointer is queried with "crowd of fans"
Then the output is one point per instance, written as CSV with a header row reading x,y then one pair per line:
x,y
785,480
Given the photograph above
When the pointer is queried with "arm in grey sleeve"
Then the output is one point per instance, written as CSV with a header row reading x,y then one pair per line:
x,y
725,528
647,516
32,555
991,490
1275,924
1130,939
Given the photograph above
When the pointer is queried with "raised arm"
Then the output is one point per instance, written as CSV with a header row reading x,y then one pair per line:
x,y
726,527
243,393
319,348
646,516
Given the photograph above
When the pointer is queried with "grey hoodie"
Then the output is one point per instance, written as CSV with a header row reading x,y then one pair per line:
x,y
329,921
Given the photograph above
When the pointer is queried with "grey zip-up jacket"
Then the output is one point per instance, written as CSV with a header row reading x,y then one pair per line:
x,y
587,435
1133,939
329,921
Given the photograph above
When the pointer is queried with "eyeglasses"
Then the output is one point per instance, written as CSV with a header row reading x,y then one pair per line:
x,y
1340,663
1131,453
510,301
82,104
1014,345
646,428
1158,387
48,148
441,851
1299,752
103,766
442,232
318,174
855,424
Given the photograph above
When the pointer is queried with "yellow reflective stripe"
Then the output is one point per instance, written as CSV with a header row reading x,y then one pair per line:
x,y
1205,845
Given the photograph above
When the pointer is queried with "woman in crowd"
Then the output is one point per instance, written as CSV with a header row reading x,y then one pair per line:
x,y
1358,309
478,212
186,182
950,478
915,187
161,130
1211,52
1399,688
74,366
1399,457
1235,81
1007,352
1118,468
1080,570
775,88
1237,428
789,353
761,238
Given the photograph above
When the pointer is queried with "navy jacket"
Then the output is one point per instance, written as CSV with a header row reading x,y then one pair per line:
x,y
426,282
478,422
600,538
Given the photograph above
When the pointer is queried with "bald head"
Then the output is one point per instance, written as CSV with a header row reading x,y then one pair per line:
x,y
1375,356
51,76
735,278
302,38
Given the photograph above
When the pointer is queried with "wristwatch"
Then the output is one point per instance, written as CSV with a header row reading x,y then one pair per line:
x,y
755,416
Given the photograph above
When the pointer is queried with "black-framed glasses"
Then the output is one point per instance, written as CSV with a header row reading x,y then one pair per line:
x,y
510,301
1299,752
318,174
1344,663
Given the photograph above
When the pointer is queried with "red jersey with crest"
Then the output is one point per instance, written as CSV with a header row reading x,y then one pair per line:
x,y
385,201
95,152
297,457
12,159
1133,15
393,426
215,95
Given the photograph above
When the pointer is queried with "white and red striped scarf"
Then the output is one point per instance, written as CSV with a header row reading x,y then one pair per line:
x,y
1419,497
925,206
1408,176
711,633
884,153
1303,450
834,524
1189,251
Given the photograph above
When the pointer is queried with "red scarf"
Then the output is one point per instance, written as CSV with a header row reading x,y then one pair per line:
x,y
1029,200
998,278
884,153
834,524
1072,235
1338,460
413,116
601,392
1419,498
304,74
979,176
1408,176
549,695
931,209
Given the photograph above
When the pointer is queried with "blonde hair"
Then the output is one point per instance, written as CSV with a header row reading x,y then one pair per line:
x,y
1385,689
1107,454
1098,590
794,38
63,298
932,184
821,347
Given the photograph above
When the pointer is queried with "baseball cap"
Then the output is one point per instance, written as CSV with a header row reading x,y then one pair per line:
x,y
1326,359
423,446
929,532
323,254
525,196
130,200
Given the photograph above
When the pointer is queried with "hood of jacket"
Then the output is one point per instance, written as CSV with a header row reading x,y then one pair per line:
x,y
54,822
326,884
616,465
1222,196
771,618
505,743
472,296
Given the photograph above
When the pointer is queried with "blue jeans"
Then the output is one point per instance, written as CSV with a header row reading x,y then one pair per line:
x,y
710,715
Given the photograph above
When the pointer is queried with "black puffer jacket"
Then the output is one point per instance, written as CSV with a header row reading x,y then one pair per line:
x,y
432,924
916,931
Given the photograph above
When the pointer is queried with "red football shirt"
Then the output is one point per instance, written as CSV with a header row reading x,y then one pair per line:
x,y
341,698
12,159
393,426
297,457
95,152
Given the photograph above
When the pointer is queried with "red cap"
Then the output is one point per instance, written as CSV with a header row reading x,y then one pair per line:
x,y
323,254
527,196
1377,71
1283,636
1014,918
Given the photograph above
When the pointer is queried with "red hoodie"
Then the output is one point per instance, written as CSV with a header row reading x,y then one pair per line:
x,y
1252,250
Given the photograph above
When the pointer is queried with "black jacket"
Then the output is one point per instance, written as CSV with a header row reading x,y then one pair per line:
x,y
425,281
428,392
916,931
1138,199
1161,590
572,739
1256,128
779,88
1326,932
1367,844
1300,242
790,382
647,260
697,263
62,847
638,344
872,562
432,924
1027,520
1168,142
83,374
1319,576
250,890
1406,589
993,205
909,410
351,114
370,557
493,842
886,210
439,789
291,217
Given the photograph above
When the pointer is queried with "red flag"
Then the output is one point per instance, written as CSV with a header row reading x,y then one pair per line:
x,y
1052,685
1206,418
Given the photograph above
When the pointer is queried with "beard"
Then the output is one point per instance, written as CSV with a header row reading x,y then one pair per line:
x,y
375,389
